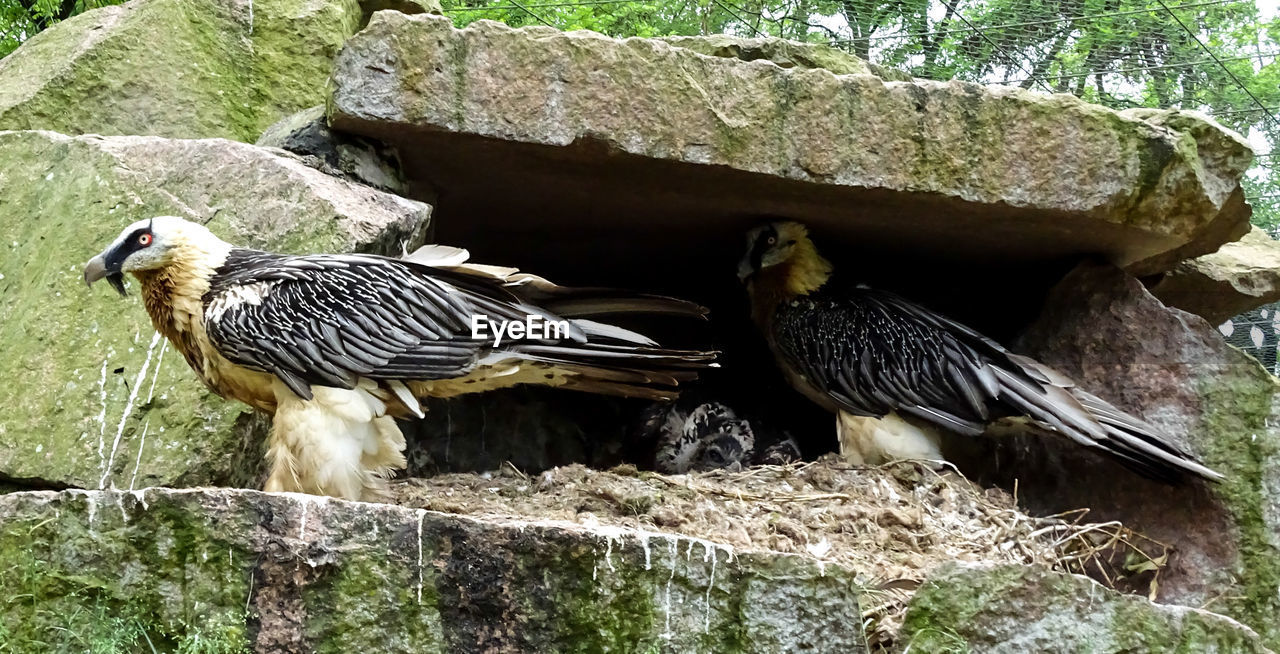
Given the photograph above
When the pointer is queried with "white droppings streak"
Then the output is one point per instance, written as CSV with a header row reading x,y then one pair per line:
x,y
151,393
666,608
711,583
644,542
102,414
128,409
421,514
302,523
141,496
142,442
608,552
93,510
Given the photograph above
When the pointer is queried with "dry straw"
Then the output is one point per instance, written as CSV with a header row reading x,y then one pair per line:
x,y
892,524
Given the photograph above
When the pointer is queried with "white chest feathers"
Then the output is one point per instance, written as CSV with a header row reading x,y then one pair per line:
x,y
872,441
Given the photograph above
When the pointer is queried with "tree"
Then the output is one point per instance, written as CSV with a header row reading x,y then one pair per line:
x,y
22,19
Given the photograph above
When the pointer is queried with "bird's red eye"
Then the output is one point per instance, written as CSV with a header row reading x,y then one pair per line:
x,y
144,240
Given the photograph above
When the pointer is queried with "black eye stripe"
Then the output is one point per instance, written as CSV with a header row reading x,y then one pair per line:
x,y
137,233
130,245
761,245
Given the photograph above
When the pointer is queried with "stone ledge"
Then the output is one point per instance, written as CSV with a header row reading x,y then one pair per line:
x,y
702,141
294,573
1243,275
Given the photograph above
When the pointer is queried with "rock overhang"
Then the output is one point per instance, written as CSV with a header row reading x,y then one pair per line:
x,y
643,148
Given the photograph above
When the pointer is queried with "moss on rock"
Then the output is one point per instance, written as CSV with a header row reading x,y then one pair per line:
x,y
967,608
178,68
103,402
179,568
103,583
1107,332
1240,404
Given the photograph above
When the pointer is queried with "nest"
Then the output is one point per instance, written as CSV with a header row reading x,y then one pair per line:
x,y
891,524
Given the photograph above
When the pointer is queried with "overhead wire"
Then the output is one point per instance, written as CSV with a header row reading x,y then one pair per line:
x,y
1015,63
1194,37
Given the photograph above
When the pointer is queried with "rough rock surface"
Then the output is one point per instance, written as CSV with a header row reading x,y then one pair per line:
x,y
1241,276
669,137
102,402
229,570
177,68
1103,329
784,53
307,135
402,6
1015,609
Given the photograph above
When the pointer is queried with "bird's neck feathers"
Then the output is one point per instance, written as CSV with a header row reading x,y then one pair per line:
x,y
173,294
804,272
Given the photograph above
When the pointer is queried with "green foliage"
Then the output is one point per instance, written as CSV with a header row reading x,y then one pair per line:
x,y
22,19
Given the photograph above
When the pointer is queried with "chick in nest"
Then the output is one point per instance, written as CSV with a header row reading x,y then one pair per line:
x,y
693,435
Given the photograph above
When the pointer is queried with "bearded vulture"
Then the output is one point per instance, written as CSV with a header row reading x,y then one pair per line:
x,y
336,346
895,373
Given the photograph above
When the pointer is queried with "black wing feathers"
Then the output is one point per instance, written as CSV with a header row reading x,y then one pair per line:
x,y
331,319
872,352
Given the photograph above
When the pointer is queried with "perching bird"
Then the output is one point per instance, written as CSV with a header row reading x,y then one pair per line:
x,y
895,372
337,346
697,436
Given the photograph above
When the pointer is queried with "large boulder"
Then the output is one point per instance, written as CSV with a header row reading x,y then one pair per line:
x,y
670,140
98,398
1241,276
1013,609
232,571
177,68
307,135
1107,332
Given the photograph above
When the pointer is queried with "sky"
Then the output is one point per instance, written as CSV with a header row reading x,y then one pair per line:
x,y
1267,8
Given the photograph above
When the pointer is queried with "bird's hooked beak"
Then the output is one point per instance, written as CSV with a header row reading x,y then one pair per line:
x,y
97,269
745,270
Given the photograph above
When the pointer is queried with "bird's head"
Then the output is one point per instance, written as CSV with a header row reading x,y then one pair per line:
x,y
147,245
724,451
782,250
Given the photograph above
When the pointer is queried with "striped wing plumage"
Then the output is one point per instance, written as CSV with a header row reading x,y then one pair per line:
x,y
872,352
331,319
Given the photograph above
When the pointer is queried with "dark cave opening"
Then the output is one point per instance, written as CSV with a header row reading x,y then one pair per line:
x,y
586,215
